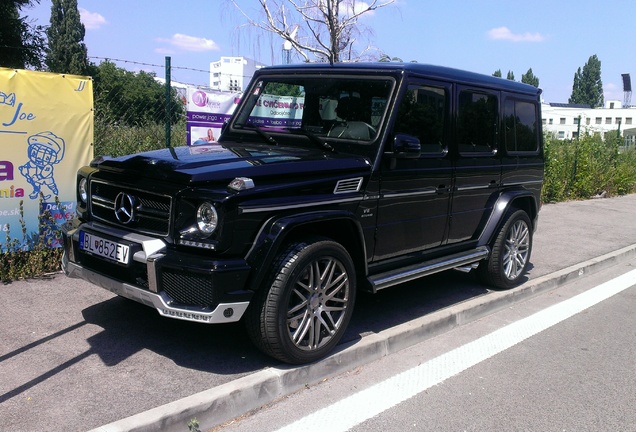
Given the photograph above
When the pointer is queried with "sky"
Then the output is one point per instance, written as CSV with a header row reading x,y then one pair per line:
x,y
554,38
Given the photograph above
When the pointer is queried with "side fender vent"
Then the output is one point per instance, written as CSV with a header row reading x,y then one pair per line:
x,y
348,185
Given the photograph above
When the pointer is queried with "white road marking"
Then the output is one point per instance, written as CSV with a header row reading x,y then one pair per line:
x,y
368,403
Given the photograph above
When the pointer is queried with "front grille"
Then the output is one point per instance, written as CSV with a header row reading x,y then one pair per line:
x,y
151,212
189,289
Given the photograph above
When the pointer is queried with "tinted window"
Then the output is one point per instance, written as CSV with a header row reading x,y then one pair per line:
x,y
423,113
477,122
520,120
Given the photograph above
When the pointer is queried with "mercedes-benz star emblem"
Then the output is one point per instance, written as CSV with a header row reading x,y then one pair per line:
x,y
125,208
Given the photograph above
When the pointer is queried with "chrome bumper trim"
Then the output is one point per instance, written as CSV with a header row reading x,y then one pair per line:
x,y
224,312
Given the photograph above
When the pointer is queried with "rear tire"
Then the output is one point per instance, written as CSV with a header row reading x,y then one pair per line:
x,y
303,310
510,256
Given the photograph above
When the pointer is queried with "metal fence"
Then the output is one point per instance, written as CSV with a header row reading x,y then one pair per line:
x,y
137,111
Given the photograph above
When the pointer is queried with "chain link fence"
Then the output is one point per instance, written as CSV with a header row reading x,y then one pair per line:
x,y
138,111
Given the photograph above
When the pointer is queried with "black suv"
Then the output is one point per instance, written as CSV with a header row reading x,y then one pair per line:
x,y
326,180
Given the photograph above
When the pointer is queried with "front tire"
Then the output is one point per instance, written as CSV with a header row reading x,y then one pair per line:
x,y
305,307
510,254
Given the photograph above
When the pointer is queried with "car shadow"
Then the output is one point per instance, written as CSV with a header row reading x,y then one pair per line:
x,y
399,304
129,327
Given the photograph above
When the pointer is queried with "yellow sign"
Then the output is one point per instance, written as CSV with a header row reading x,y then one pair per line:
x,y
46,134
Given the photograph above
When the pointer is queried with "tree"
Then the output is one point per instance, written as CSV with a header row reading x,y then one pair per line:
x,y
497,73
327,30
530,78
510,76
67,52
22,44
588,87
127,98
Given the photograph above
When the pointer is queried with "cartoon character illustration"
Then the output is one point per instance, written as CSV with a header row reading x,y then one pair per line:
x,y
45,150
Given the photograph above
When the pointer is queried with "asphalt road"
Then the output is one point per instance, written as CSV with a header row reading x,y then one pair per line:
x,y
74,357
574,372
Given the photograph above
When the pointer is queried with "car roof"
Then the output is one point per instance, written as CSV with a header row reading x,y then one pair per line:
x,y
424,70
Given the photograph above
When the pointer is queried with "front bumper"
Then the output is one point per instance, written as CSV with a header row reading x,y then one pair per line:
x,y
178,285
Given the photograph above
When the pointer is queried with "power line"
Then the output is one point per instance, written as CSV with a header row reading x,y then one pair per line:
x,y
148,64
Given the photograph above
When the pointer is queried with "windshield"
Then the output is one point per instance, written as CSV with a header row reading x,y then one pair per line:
x,y
326,109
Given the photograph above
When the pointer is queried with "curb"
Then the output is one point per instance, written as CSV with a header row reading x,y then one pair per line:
x,y
223,403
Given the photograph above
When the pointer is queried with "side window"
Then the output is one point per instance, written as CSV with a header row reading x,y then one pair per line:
x,y
477,122
520,121
423,113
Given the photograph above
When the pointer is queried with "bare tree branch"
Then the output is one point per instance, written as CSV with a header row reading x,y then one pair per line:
x,y
328,30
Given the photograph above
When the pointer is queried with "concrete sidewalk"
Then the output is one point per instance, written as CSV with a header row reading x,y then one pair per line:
x,y
574,239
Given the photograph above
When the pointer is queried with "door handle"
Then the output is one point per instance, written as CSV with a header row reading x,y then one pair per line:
x,y
442,189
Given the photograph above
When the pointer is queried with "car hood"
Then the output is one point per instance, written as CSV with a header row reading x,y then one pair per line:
x,y
216,162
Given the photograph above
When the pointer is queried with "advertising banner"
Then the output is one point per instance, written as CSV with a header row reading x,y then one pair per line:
x,y
46,134
207,110
273,111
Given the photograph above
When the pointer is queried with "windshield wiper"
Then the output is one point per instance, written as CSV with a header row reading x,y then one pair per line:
x,y
267,137
323,145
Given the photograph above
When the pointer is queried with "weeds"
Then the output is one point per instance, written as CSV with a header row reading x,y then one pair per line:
x,y
35,254
193,425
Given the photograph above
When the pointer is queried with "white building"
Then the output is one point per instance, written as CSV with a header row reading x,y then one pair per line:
x,y
562,120
232,73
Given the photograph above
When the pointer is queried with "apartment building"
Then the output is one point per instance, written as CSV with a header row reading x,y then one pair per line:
x,y
232,73
566,121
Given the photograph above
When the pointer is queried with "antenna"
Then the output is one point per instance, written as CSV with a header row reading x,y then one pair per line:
x,y
627,90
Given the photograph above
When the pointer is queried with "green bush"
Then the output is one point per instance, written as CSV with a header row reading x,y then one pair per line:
x,y
118,140
581,169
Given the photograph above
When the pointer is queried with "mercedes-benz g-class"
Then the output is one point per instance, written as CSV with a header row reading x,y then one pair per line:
x,y
327,179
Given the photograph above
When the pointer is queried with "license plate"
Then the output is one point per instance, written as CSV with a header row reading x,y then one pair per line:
x,y
104,248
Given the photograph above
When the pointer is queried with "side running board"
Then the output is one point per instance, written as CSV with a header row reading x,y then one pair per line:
x,y
405,274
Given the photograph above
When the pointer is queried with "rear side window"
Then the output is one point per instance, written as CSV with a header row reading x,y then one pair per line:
x,y
477,123
520,122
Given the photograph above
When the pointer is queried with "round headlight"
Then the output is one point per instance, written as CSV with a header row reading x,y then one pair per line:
x,y
207,218
83,192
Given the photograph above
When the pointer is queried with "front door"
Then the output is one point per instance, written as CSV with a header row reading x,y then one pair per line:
x,y
415,193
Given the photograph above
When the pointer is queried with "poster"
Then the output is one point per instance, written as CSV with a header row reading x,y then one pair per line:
x,y
207,110
46,135
278,111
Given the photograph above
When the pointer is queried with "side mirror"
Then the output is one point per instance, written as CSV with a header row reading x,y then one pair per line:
x,y
406,146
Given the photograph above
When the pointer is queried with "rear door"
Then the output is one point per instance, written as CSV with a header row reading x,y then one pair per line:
x,y
477,165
